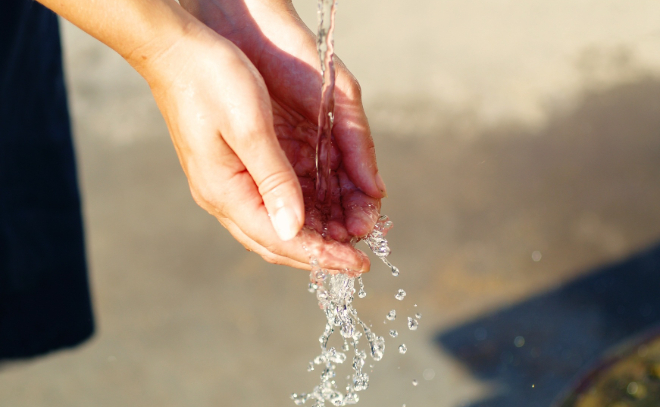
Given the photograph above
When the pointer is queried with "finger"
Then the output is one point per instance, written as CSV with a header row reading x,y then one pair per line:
x,y
253,246
336,228
353,136
227,191
274,258
251,217
361,211
329,225
251,135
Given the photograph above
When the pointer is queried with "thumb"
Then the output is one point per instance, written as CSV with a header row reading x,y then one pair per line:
x,y
259,150
251,135
281,192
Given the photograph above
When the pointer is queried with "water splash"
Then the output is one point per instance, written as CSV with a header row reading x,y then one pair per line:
x,y
335,292
325,47
361,293
412,324
379,245
335,295
400,295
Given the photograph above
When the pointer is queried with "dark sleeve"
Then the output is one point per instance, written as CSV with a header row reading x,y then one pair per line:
x,y
44,296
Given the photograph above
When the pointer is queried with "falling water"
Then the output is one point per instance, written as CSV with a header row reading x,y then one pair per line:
x,y
335,292
325,47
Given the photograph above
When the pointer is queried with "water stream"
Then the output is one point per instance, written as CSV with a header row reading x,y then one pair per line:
x,y
325,47
335,292
335,295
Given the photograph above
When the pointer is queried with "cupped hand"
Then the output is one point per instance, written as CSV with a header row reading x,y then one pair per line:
x,y
283,50
223,125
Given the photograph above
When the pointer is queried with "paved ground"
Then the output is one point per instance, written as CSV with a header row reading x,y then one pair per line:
x,y
521,145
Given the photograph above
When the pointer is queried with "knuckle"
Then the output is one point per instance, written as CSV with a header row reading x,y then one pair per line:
x,y
355,89
198,197
276,181
207,200
249,134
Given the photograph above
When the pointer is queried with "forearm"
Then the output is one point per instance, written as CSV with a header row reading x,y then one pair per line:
x,y
139,30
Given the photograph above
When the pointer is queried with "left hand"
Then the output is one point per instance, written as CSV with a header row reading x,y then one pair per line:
x,y
283,50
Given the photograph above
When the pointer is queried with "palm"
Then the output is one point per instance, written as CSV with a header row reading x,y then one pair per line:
x,y
285,56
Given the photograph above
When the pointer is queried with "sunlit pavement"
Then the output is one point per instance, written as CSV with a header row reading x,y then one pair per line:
x,y
520,142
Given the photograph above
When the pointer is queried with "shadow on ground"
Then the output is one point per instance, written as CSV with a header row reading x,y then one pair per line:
x,y
533,350
604,155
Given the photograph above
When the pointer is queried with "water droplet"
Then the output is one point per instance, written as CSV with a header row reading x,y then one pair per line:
x,y
337,399
632,388
320,275
335,294
361,293
358,362
395,271
299,400
360,381
338,358
403,349
347,330
414,382
394,333
428,374
412,324
418,315
480,334
351,398
327,374
519,341
378,348
323,297
400,294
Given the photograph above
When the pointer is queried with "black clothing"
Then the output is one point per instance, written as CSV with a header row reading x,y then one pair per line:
x,y
44,296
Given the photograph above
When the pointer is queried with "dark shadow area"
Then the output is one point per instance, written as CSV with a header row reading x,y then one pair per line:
x,y
600,160
564,330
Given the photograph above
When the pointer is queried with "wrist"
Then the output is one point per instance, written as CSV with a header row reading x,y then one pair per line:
x,y
164,42
171,59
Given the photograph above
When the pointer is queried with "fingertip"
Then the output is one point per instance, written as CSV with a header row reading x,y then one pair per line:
x,y
360,219
366,262
287,223
357,226
380,184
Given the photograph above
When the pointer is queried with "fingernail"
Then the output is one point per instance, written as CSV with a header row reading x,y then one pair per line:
x,y
366,264
286,223
381,184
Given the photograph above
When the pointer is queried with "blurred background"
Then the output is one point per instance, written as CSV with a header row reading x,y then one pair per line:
x,y
520,142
